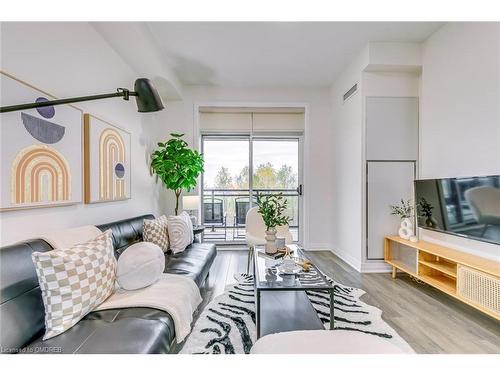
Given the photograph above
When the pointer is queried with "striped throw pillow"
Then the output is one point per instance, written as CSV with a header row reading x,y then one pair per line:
x,y
180,232
74,281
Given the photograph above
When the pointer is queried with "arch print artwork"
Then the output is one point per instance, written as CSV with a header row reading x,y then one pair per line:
x,y
111,157
41,150
107,161
40,174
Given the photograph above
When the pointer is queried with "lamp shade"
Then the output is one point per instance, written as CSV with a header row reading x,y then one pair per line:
x,y
147,98
190,202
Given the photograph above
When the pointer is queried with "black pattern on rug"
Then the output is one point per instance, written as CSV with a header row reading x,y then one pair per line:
x,y
227,324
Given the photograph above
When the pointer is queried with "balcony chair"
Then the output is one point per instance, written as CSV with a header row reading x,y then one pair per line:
x,y
242,205
214,217
484,202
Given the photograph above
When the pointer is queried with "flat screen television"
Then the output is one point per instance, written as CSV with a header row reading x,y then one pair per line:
x,y
467,207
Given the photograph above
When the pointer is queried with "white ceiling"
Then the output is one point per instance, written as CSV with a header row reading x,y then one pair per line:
x,y
272,53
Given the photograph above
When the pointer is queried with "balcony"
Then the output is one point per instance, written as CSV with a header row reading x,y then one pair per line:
x,y
224,213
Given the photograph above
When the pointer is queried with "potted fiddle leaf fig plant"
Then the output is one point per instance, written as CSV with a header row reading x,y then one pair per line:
x,y
272,208
176,165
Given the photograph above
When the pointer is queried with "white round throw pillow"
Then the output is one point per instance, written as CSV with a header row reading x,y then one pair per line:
x,y
140,265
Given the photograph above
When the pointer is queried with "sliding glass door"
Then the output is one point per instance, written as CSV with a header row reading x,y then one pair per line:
x,y
237,168
225,185
276,170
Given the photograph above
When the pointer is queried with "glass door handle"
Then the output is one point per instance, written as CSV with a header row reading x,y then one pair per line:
x,y
299,189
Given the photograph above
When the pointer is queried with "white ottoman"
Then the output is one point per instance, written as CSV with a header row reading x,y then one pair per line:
x,y
324,342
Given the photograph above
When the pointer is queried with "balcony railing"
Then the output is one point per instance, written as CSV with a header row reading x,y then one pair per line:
x,y
224,212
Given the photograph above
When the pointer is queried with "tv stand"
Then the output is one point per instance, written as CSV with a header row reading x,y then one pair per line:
x,y
469,278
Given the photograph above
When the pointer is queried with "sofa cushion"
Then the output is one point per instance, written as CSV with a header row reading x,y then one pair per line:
x,y
194,262
21,306
126,331
125,232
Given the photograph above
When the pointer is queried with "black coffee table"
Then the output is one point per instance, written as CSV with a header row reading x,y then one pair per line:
x,y
281,303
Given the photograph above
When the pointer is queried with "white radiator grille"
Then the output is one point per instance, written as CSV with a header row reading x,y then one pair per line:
x,y
479,288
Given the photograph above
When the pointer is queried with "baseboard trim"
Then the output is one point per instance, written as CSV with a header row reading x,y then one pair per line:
x,y
318,247
375,267
349,260
365,267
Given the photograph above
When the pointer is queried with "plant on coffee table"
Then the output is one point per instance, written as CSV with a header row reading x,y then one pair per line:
x,y
272,208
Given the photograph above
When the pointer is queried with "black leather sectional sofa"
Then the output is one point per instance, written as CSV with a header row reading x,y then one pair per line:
x,y
131,330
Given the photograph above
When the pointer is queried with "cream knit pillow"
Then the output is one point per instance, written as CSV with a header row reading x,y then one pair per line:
x,y
180,232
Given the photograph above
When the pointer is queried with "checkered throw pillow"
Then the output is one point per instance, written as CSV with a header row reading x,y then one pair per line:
x,y
74,281
155,231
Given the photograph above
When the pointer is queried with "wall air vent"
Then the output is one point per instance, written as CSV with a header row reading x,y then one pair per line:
x,y
350,92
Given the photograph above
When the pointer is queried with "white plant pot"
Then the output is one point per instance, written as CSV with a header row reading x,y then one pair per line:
x,y
271,241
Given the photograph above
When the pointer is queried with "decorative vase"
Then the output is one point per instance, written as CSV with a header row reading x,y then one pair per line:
x,y
406,229
271,241
431,222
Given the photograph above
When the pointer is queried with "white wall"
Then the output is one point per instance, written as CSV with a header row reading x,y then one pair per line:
x,y
381,69
347,163
459,92
460,110
380,84
318,175
72,59
394,57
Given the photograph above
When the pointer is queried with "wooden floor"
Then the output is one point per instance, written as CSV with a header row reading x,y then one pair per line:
x,y
429,320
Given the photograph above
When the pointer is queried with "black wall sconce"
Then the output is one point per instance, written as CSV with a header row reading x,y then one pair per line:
x,y
146,97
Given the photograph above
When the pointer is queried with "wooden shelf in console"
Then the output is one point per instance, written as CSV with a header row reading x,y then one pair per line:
x,y
446,268
441,282
400,266
469,278
473,261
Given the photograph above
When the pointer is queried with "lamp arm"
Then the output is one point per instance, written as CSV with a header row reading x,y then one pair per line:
x,y
19,107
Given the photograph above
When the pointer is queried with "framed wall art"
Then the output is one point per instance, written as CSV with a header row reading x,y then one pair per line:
x,y
107,172
41,150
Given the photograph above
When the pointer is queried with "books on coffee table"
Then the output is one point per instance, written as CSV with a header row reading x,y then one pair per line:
x,y
280,254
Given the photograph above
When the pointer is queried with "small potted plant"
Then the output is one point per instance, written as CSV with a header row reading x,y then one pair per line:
x,y
272,208
405,212
177,166
425,210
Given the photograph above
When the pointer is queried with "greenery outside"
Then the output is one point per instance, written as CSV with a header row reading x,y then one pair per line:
x,y
266,176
